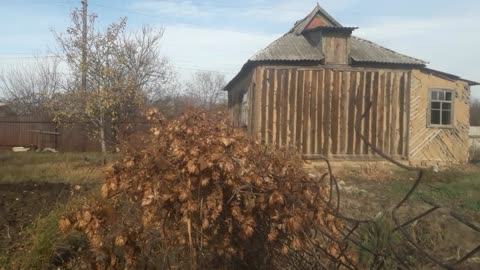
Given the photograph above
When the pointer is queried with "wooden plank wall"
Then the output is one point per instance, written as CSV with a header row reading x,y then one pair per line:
x,y
438,145
317,110
336,47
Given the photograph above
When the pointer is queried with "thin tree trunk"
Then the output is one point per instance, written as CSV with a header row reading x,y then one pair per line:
x,y
102,140
102,135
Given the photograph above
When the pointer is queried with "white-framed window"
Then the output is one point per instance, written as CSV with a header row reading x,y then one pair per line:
x,y
441,108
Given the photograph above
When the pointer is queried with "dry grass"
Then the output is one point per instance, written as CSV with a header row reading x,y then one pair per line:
x,y
43,245
41,241
456,189
69,168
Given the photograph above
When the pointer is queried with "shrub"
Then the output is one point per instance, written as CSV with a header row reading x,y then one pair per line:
x,y
203,195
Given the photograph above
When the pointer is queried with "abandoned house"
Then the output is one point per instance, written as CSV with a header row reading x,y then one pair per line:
x,y
311,87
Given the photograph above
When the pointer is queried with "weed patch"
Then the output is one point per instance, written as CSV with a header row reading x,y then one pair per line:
x,y
53,168
449,188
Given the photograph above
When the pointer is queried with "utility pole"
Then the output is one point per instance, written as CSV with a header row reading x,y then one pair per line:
x,y
84,45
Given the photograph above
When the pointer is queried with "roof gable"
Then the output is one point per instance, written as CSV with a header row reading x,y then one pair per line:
x,y
295,47
318,17
316,22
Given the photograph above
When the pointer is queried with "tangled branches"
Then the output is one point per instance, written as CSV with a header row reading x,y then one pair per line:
x,y
204,195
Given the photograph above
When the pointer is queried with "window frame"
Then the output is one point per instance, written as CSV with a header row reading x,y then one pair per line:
x,y
452,110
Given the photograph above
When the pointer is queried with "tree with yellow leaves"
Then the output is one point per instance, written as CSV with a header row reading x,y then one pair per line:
x,y
123,72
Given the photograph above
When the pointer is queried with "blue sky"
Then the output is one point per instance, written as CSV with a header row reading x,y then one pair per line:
x,y
221,35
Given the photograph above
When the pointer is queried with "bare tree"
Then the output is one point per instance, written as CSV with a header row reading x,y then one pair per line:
x,y
27,89
124,71
475,113
205,90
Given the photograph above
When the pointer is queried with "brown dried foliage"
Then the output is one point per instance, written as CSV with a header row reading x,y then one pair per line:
x,y
204,195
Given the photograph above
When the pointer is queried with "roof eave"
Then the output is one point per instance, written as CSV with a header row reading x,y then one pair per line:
x,y
250,64
348,30
451,76
372,62
237,77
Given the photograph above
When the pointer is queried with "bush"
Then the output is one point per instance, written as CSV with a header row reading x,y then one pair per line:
x,y
203,195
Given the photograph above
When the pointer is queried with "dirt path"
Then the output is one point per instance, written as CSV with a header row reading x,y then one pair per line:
x,y
21,204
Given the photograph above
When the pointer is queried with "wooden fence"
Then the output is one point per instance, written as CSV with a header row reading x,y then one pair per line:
x,y
37,133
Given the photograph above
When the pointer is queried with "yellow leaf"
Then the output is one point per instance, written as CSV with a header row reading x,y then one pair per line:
x,y
191,167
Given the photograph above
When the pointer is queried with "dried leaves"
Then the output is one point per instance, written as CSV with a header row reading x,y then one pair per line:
x,y
209,192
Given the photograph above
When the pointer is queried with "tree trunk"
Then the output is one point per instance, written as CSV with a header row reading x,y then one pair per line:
x,y
102,140
102,134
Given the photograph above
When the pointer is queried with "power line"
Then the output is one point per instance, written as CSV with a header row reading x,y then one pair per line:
x,y
13,3
124,10
27,57
206,70
202,6
181,67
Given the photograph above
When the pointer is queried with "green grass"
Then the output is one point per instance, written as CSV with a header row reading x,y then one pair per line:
x,y
43,240
39,242
48,167
450,188
378,237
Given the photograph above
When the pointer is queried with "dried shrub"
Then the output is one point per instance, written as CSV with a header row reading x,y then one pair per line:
x,y
204,195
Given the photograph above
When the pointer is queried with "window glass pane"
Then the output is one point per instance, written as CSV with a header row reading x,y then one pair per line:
x,y
435,117
441,95
447,106
448,96
436,105
446,118
434,95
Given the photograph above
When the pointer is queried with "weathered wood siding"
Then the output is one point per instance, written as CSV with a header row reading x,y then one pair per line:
x,y
240,102
336,48
438,145
317,110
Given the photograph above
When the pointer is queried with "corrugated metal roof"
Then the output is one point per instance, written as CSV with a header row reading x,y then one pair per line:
x,y
290,47
366,51
294,46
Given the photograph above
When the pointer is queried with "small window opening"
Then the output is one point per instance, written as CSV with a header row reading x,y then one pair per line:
x,y
441,108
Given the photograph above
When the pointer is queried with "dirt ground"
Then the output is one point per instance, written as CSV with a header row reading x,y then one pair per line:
x,y
22,203
370,191
367,191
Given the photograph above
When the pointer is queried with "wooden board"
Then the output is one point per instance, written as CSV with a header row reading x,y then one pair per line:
x,y
317,110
